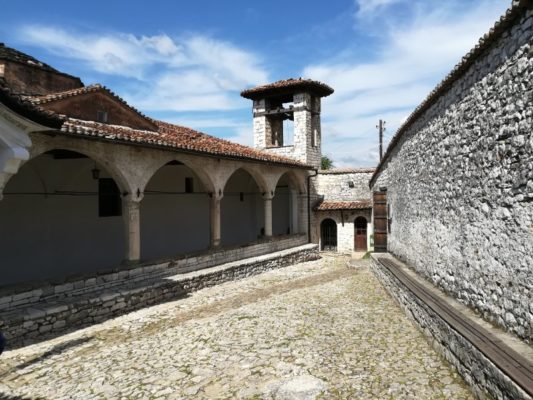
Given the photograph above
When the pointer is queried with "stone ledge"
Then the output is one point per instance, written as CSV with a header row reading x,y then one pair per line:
x,y
485,378
24,295
45,319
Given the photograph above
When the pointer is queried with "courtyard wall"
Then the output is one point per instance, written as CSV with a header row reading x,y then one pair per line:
x,y
459,179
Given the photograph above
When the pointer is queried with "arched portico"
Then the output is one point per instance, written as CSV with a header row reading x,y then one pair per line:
x,y
175,217
242,210
285,205
61,215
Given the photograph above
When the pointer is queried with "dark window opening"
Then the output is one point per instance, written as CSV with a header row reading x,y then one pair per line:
x,y
101,116
328,234
189,185
241,196
109,201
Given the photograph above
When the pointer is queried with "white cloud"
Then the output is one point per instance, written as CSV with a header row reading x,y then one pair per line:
x,y
189,73
367,7
411,58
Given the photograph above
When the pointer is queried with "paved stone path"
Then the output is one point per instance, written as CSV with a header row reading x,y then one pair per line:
x,y
315,330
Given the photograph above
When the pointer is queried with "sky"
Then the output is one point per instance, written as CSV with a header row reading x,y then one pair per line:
x,y
187,61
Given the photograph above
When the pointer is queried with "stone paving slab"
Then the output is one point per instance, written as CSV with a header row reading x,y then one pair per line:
x,y
319,329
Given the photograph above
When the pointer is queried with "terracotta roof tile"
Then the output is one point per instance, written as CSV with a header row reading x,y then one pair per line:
x,y
26,109
344,205
287,84
166,135
40,100
334,171
10,54
173,137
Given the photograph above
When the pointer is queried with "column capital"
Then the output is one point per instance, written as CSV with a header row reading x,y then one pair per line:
x,y
218,194
268,195
133,197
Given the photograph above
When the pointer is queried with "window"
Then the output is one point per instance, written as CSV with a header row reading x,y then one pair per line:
x,y
101,116
189,185
109,201
241,196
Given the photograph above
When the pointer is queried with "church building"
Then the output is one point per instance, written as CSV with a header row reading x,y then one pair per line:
x,y
88,183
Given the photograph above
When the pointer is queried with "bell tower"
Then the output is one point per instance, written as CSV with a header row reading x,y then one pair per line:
x,y
287,118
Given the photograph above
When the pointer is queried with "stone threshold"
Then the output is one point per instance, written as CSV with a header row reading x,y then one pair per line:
x,y
495,363
42,320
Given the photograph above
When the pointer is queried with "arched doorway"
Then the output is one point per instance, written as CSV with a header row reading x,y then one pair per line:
x,y
360,234
61,215
241,210
174,213
285,207
328,235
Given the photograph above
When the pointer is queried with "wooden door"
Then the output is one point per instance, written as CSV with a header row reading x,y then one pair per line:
x,y
379,208
360,234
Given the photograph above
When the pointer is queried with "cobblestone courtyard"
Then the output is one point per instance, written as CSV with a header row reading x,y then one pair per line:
x,y
317,328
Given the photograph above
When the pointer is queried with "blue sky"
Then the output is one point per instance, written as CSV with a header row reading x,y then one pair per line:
x,y
186,62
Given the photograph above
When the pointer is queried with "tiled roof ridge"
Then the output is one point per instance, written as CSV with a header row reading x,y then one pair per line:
x,y
331,205
95,87
466,61
17,56
288,83
25,108
174,137
347,170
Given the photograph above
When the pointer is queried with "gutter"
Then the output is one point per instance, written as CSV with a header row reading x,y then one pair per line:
x,y
309,205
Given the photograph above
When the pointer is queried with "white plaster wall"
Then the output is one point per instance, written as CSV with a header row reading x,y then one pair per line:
x,y
345,231
50,236
175,223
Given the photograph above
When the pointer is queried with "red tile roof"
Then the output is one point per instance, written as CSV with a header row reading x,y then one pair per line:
x,y
286,85
334,171
166,135
10,54
174,137
48,98
344,205
26,109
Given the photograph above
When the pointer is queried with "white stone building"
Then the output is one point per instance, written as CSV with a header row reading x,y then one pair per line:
x,y
88,183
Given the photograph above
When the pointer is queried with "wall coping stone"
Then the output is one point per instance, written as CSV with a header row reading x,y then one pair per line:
x,y
445,346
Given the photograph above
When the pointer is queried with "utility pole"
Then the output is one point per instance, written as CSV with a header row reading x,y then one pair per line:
x,y
381,129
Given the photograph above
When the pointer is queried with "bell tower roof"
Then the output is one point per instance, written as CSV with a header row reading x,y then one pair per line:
x,y
286,87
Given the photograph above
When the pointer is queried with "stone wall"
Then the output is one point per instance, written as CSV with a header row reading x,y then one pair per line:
x,y
335,184
12,297
306,145
479,372
54,316
460,181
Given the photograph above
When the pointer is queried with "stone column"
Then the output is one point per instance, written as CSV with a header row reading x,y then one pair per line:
x,y
268,214
132,226
215,220
302,211
294,211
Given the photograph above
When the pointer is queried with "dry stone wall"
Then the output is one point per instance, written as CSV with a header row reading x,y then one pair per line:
x,y
460,185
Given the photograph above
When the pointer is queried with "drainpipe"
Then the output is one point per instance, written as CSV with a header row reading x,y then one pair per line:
x,y
309,205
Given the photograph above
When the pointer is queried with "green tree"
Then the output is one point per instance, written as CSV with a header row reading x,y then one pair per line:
x,y
326,163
